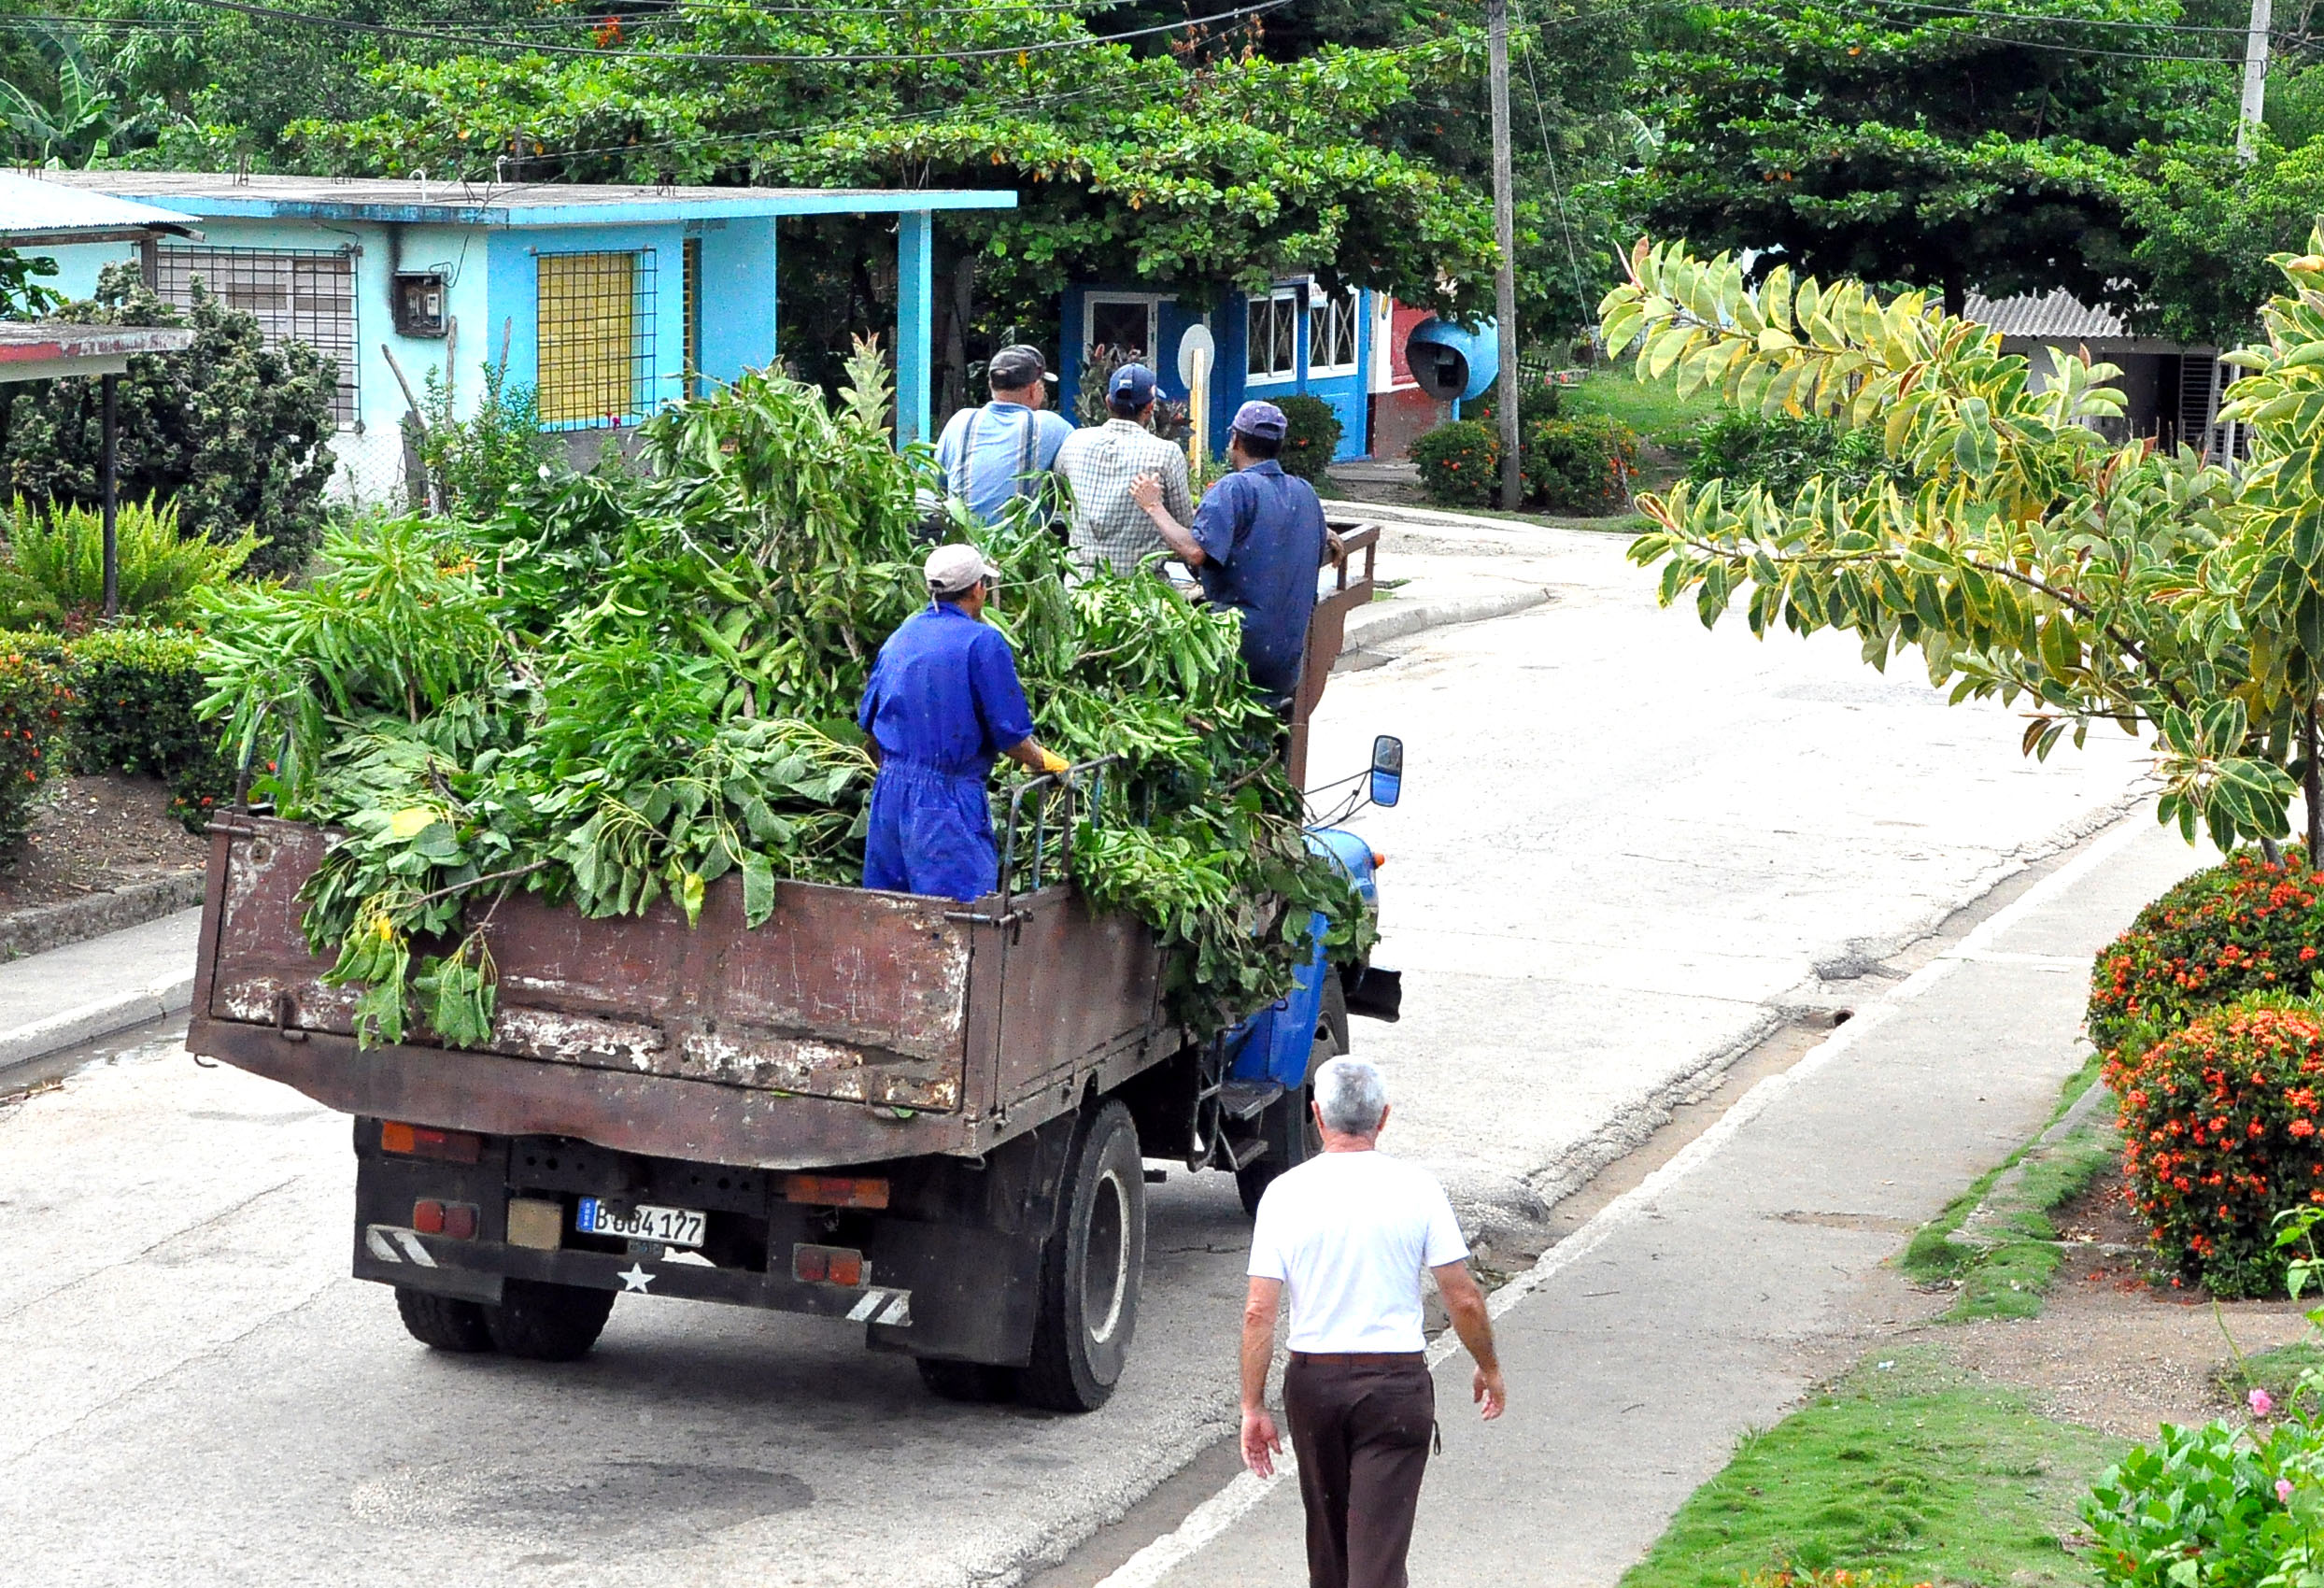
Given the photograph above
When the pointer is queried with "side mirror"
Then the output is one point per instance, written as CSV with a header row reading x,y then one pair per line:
x,y
1387,770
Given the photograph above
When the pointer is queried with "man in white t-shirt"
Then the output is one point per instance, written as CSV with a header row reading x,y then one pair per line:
x,y
1348,1232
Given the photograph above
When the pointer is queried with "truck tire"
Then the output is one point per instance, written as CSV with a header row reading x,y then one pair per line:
x,y
1088,1308
547,1322
442,1323
1288,1126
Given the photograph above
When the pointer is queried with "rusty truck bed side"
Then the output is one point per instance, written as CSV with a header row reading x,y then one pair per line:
x,y
851,1026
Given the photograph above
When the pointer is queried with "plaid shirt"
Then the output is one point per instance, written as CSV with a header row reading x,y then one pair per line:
x,y
1099,464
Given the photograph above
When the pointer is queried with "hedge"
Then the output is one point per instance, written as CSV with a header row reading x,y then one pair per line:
x,y
1460,463
1313,439
132,708
35,705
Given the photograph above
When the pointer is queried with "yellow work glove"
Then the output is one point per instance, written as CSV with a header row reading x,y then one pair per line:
x,y
1054,763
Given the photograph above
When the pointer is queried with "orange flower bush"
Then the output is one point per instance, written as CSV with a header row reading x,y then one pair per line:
x,y
2242,926
33,703
2219,1134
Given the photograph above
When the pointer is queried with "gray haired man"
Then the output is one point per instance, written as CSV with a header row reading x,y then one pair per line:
x,y
1348,1232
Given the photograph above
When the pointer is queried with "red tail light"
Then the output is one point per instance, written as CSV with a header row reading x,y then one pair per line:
x,y
428,1217
421,1141
455,1219
827,1265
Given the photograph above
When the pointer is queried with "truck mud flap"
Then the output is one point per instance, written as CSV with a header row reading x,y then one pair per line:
x,y
1374,993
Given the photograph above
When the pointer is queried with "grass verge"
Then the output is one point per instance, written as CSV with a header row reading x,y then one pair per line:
x,y
2006,1275
1909,1466
1653,409
2276,1371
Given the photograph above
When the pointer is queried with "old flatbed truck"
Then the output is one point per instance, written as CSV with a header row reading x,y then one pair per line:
x,y
923,1117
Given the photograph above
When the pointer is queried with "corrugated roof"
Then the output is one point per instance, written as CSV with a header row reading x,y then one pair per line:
x,y
2057,315
30,206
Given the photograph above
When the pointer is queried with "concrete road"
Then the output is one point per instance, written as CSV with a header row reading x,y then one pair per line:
x,y
1625,848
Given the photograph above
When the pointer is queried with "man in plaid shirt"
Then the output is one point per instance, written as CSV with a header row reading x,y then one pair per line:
x,y
1099,464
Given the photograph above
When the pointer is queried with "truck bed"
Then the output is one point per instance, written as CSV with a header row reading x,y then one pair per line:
x,y
851,1026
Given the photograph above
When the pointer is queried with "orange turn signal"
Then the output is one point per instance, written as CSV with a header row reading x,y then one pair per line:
x,y
1379,859
835,1191
423,1141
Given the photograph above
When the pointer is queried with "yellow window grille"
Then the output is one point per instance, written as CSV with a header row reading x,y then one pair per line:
x,y
596,341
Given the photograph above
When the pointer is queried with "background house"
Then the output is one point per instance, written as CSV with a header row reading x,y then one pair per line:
x,y
604,298
1297,338
2172,390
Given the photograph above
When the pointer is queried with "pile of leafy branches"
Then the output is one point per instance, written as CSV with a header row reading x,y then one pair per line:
x,y
623,687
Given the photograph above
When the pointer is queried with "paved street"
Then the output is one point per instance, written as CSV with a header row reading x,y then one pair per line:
x,y
1626,848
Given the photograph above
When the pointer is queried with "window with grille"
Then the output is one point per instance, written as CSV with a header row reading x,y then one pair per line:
x,y
1331,334
596,359
296,295
1273,350
691,260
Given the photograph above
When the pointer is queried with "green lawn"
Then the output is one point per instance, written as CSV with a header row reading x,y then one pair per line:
x,y
1908,1466
1651,408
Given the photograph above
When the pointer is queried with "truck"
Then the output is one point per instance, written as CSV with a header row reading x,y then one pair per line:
x,y
928,1118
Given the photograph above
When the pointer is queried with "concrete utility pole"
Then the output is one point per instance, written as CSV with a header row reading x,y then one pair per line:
x,y
2254,73
1504,233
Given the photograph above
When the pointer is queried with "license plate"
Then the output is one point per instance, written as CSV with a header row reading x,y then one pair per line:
x,y
642,1220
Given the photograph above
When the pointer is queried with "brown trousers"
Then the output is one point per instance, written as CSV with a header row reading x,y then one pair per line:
x,y
1361,1431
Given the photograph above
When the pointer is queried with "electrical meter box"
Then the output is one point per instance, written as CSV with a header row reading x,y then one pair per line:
x,y
419,304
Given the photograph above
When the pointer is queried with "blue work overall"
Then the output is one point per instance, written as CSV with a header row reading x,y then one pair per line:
x,y
943,702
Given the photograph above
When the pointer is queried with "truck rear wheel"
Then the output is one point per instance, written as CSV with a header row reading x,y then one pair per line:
x,y
547,1322
442,1323
1288,1126
1089,1275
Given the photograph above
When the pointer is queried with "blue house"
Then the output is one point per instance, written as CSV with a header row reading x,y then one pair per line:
x,y
606,300
1297,338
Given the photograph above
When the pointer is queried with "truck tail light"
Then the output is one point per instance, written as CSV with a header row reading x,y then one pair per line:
x,y
421,1141
835,1191
455,1219
826,1264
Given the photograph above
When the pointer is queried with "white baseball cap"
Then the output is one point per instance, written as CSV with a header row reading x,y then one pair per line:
x,y
952,569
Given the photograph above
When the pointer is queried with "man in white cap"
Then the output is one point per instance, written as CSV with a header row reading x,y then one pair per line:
x,y
943,702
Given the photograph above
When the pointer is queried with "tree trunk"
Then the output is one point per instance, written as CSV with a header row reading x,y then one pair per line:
x,y
955,392
1955,292
2312,786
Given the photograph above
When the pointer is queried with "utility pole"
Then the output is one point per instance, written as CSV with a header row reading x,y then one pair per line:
x,y
2254,73
1504,233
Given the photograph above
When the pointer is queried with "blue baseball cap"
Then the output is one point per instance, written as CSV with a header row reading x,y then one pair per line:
x,y
1133,383
1262,419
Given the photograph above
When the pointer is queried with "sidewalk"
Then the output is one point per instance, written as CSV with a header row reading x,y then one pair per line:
x,y
1709,1300
86,990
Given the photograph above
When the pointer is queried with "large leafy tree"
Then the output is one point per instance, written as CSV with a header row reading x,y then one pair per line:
x,y
2031,560
1950,146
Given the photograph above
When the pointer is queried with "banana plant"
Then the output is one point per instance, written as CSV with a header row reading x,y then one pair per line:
x,y
2028,559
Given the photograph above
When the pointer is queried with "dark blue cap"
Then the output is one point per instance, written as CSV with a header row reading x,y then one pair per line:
x,y
1262,419
1133,384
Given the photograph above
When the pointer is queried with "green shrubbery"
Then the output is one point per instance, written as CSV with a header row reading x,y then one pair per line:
x,y
1783,454
1460,463
34,703
1313,439
53,568
2219,1506
2241,926
1584,465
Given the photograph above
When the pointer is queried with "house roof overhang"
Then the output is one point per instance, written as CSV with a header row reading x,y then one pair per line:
x,y
43,349
35,210
223,196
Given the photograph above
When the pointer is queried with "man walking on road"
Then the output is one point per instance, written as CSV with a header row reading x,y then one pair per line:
x,y
1348,1232
1100,462
999,451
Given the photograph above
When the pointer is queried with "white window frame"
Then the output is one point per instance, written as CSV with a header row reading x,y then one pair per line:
x,y
1345,307
1291,299
1152,301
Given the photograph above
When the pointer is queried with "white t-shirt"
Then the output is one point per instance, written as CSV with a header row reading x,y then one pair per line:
x,y
1348,1233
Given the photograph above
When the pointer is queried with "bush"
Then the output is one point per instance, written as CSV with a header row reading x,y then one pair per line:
x,y
134,693
1312,440
1460,463
2243,926
53,570
1537,401
2219,1135
234,433
1783,454
34,703
2203,1506
1579,465
477,461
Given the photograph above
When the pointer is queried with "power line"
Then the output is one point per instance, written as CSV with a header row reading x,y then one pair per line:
x,y
390,30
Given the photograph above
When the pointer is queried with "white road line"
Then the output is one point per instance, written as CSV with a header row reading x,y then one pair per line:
x,y
1244,1493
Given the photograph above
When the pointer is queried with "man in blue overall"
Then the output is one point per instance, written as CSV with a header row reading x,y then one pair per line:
x,y
943,702
1255,544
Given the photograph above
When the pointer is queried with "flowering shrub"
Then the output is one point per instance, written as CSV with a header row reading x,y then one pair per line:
x,y
1580,465
2243,926
1312,440
1460,463
2219,1135
1800,1576
34,704
2219,1506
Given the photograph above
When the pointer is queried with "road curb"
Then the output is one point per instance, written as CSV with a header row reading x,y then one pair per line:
x,y
1394,620
77,920
101,1017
